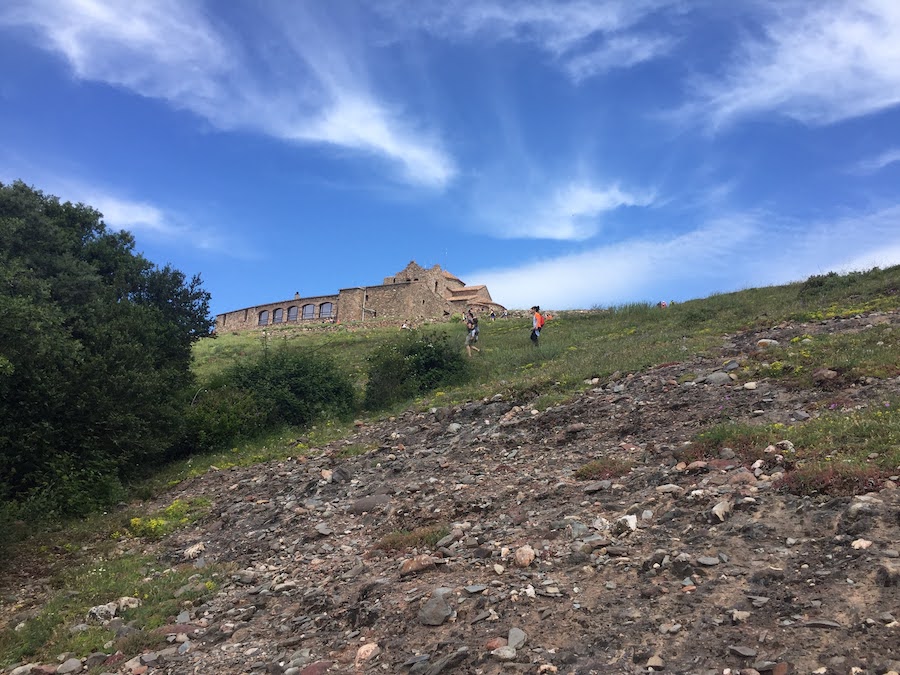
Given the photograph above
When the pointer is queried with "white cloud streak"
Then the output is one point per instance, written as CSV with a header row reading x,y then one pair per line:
x,y
149,221
724,255
586,38
620,51
877,163
142,218
171,50
572,211
818,63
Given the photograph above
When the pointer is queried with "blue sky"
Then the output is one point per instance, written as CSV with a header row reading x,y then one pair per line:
x,y
569,154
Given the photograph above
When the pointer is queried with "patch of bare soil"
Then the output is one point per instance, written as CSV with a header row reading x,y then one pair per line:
x,y
674,567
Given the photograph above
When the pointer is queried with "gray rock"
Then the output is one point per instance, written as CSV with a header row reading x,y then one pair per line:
x,y
369,503
746,652
517,638
72,665
506,653
435,612
718,378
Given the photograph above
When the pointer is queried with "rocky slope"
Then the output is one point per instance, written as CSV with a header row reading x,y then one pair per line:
x,y
676,567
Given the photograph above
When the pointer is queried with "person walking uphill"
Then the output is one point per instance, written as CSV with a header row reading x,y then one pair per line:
x,y
472,335
537,322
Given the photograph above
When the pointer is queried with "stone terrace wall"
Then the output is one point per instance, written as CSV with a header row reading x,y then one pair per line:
x,y
243,319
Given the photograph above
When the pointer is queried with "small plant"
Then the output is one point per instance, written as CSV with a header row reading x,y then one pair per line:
x,y
604,468
829,479
354,450
177,515
420,537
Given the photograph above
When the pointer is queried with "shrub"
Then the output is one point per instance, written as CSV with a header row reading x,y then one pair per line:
x,y
293,387
400,540
603,469
218,417
412,365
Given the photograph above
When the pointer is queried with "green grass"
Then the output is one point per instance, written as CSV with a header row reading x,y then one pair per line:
x,y
838,452
76,590
180,513
579,345
873,352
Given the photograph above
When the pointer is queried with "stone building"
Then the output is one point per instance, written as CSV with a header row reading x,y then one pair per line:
x,y
413,294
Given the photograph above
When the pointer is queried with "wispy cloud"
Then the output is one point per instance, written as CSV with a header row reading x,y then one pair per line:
x,y
609,275
877,163
573,211
817,63
173,51
725,254
585,38
144,219
620,51
151,222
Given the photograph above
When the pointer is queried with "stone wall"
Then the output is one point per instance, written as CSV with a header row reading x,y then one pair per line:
x,y
294,310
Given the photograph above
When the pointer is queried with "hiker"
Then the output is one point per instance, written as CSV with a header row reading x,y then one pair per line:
x,y
472,334
493,316
537,322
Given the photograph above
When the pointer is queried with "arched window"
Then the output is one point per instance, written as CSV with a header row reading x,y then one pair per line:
x,y
264,318
325,309
309,311
278,316
292,313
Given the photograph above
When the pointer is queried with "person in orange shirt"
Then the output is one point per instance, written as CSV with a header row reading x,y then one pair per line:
x,y
537,322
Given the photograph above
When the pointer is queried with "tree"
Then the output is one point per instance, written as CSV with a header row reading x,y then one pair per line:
x,y
95,351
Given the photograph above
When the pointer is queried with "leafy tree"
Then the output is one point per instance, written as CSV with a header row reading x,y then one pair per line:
x,y
95,352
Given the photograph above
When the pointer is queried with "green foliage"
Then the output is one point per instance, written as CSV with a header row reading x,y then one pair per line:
x,y
47,633
96,351
175,516
294,387
278,387
854,356
218,417
416,363
835,453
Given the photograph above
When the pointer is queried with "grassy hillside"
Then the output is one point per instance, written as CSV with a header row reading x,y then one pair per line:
x,y
576,346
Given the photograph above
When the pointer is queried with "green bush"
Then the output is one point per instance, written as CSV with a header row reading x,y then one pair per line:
x,y
293,387
218,417
414,364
